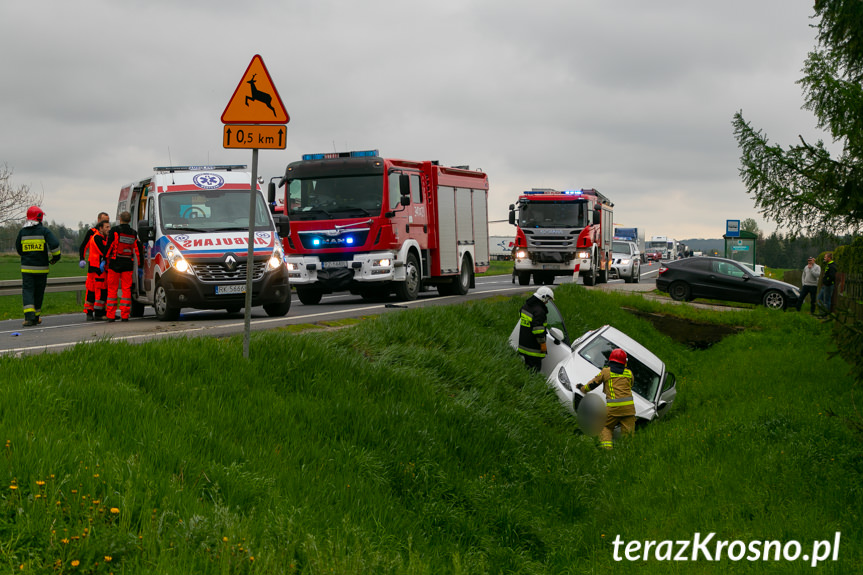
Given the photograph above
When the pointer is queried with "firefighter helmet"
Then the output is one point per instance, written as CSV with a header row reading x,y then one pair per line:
x,y
619,356
35,213
544,294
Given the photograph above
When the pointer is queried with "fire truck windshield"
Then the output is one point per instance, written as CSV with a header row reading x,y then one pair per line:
x,y
335,197
555,214
211,211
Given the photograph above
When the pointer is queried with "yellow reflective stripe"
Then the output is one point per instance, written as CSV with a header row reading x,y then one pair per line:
x,y
523,351
620,402
35,270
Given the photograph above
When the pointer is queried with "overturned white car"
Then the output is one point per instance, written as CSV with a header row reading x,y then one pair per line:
x,y
568,365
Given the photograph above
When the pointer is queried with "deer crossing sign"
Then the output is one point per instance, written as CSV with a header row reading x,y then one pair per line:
x,y
256,100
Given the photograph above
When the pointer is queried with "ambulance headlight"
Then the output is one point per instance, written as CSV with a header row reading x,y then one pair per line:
x,y
277,259
177,261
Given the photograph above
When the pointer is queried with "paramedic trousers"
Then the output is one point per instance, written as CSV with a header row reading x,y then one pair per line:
x,y
627,427
33,292
119,281
95,294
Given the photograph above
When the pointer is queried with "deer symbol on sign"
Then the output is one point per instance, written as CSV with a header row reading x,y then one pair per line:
x,y
258,96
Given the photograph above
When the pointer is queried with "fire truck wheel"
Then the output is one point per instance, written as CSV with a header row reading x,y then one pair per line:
x,y
523,278
309,296
164,312
410,288
590,278
461,283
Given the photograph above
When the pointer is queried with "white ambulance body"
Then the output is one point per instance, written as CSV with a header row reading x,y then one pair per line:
x,y
193,222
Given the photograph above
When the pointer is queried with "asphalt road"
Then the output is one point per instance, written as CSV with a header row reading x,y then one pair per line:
x,y
60,332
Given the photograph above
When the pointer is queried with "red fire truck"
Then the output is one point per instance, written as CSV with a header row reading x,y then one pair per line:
x,y
373,226
560,233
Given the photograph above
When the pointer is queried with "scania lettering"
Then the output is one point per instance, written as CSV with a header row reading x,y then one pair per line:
x,y
193,222
373,226
561,233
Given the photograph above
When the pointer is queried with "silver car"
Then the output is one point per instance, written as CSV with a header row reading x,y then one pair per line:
x,y
568,365
625,261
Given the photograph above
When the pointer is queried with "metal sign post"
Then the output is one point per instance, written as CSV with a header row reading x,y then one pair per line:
x,y
259,125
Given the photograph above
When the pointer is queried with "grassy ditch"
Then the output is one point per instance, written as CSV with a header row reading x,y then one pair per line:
x,y
416,442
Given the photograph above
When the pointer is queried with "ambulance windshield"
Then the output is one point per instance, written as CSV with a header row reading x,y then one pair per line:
x,y
327,198
555,214
211,211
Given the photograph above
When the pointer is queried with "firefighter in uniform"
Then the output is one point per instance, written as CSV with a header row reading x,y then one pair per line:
x,y
616,383
94,307
122,253
531,334
38,247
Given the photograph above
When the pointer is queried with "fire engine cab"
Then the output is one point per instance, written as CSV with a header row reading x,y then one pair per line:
x,y
373,226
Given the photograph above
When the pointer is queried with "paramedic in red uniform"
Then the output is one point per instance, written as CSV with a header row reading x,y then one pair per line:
x,y
94,307
122,253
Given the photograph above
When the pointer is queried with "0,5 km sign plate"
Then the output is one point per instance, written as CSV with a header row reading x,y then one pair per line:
x,y
254,136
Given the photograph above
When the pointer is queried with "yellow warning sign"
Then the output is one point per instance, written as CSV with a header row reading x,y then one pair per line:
x,y
256,100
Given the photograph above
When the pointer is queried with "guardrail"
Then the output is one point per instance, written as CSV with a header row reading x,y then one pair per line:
x,y
13,287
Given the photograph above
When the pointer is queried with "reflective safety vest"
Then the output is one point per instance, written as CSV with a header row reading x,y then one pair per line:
x,y
95,255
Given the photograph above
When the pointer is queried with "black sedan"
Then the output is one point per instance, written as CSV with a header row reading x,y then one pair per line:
x,y
723,279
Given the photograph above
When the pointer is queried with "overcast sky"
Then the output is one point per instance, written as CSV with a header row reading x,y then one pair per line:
x,y
634,98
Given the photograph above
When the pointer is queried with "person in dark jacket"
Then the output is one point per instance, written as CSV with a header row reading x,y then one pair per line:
x,y
828,281
122,252
531,334
38,248
82,259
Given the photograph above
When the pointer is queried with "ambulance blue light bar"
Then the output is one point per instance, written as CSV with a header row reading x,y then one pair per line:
x,y
331,155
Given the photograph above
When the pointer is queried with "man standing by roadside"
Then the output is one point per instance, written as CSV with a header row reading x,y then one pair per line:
x,y
811,273
38,247
531,333
94,307
122,253
82,261
825,297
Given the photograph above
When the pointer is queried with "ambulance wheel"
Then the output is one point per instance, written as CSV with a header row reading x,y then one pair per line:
x,y
137,309
164,312
278,309
410,288
309,296
233,308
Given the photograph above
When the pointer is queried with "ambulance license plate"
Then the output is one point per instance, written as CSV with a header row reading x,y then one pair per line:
x,y
231,289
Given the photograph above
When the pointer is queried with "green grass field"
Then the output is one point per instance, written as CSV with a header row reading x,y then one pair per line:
x,y
416,442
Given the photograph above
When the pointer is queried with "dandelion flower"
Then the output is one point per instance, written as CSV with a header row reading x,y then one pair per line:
x,y
75,563
108,558
115,511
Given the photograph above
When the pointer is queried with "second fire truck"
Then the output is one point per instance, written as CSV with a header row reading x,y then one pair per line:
x,y
562,233
373,226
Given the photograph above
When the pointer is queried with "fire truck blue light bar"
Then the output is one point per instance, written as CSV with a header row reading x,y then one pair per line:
x,y
331,155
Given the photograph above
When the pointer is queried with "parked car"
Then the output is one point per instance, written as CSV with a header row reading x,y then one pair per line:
x,y
626,261
568,365
723,279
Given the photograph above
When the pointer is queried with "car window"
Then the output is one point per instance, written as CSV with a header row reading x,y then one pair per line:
x,y
621,247
644,380
555,319
728,269
669,381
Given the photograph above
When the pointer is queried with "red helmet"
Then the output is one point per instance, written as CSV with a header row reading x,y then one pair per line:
x,y
35,213
619,356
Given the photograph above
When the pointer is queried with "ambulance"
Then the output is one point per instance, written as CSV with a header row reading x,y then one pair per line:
x,y
193,224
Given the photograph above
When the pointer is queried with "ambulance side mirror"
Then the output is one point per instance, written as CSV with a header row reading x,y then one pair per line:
x,y
145,231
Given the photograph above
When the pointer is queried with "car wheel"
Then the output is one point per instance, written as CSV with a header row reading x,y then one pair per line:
x,y
679,291
410,288
309,296
636,276
774,300
164,312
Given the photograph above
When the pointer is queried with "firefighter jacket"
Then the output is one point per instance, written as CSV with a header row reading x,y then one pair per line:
x,y
96,252
122,249
38,247
829,274
616,383
531,333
